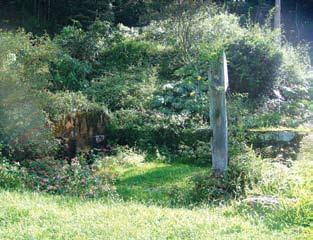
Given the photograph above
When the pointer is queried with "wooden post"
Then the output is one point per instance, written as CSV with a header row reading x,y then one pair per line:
x,y
218,79
277,18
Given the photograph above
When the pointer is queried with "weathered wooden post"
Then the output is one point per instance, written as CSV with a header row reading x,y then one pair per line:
x,y
277,18
218,80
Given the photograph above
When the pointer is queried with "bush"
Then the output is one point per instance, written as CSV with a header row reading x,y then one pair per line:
x,y
11,175
94,42
293,80
254,61
124,90
146,129
152,129
186,97
243,173
69,74
74,178
60,104
24,72
132,53
198,153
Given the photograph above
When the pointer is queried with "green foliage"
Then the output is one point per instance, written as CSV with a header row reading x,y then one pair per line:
x,y
69,74
145,129
243,173
95,41
72,178
292,186
254,61
24,71
11,175
187,97
124,90
59,104
151,130
293,80
132,53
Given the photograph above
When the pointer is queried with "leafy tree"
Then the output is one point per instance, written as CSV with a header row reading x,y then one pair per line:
x,y
24,72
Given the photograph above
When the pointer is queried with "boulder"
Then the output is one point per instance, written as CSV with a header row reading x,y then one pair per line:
x,y
279,136
264,201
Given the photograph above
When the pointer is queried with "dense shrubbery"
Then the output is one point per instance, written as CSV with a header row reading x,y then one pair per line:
x,y
254,62
129,90
75,178
245,171
11,175
61,104
154,82
24,71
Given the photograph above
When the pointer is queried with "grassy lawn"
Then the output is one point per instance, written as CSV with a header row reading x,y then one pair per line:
x,y
142,213
34,216
152,182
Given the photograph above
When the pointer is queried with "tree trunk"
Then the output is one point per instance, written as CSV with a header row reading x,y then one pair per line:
x,y
218,117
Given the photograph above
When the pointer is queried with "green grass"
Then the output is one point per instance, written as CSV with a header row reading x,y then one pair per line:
x,y
153,182
142,214
37,216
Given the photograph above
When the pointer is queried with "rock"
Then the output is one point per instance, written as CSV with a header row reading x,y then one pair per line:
x,y
267,201
282,136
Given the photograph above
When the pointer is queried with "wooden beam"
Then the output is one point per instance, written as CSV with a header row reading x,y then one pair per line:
x,y
218,116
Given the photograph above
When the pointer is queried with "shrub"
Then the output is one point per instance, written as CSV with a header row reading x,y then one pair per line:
x,y
69,74
60,104
11,175
293,80
186,97
198,153
146,129
94,42
73,178
151,130
124,90
132,53
24,72
243,173
254,61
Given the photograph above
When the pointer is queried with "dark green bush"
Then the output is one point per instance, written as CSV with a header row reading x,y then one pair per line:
x,y
253,65
11,175
60,104
186,96
198,153
69,74
132,52
124,90
179,137
144,128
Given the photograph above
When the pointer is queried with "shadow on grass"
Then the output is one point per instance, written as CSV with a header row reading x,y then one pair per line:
x,y
156,183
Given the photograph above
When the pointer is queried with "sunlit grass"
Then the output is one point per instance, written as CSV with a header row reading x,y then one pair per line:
x,y
36,216
152,182
141,213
